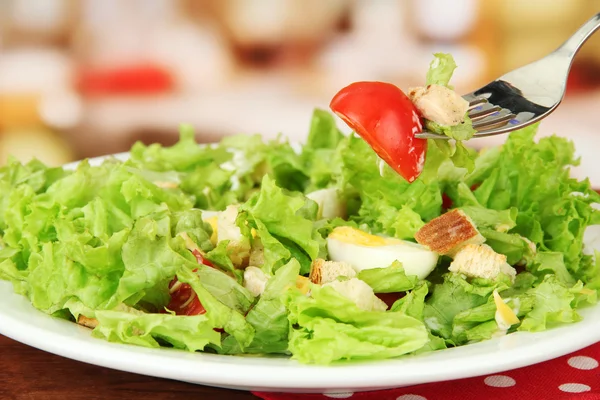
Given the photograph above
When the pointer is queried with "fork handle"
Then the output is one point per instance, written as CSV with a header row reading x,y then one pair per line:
x,y
574,43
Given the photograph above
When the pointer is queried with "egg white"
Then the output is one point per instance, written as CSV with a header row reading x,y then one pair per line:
x,y
378,253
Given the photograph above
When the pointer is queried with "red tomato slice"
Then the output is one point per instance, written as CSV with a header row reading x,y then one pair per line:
x,y
184,300
387,120
389,298
200,258
446,202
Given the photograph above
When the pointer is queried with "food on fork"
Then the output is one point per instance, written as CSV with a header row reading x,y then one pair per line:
x,y
439,104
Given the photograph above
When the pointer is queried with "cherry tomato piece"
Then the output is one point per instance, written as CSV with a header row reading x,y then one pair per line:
x,y
387,120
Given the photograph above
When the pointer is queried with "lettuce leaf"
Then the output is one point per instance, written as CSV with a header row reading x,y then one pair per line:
x,y
553,208
440,70
327,327
190,333
456,295
552,305
220,315
387,203
269,317
388,280
413,304
320,155
459,132
289,219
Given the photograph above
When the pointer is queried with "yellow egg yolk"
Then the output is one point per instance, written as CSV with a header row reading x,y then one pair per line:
x,y
506,313
303,283
348,234
212,221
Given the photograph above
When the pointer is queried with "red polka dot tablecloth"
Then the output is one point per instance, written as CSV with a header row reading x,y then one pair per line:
x,y
574,376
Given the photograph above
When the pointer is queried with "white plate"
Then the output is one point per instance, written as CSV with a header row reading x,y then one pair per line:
x,y
19,320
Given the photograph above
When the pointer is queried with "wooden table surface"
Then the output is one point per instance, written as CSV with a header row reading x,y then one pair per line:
x,y
27,373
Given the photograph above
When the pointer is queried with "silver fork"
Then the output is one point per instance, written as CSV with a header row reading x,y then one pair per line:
x,y
524,95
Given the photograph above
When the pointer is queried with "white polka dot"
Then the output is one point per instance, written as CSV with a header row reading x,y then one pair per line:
x,y
583,362
499,381
343,395
410,397
574,387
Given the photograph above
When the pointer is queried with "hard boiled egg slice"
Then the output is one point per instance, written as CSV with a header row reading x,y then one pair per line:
x,y
365,251
505,317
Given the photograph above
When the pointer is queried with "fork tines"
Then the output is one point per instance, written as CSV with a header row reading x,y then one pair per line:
x,y
487,116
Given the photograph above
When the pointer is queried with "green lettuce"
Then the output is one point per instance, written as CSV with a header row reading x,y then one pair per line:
x,y
413,305
220,315
553,208
454,296
440,70
327,327
391,279
320,155
289,219
153,330
553,304
269,317
388,204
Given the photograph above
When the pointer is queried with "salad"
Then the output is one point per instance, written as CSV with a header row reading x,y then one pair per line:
x,y
321,252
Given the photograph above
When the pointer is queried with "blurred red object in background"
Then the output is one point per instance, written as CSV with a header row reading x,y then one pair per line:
x,y
127,80
584,77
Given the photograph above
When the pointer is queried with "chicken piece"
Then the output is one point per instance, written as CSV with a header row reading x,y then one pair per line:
x,y
322,271
329,202
226,227
481,261
439,104
255,280
360,293
87,322
449,232
239,245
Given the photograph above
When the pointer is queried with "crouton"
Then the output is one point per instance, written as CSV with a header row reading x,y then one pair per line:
x,y
87,322
322,271
481,261
449,232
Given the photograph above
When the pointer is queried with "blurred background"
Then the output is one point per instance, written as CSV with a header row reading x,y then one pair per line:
x,y
81,78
